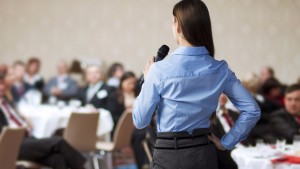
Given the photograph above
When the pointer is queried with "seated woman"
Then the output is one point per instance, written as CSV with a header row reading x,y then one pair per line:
x,y
115,72
123,98
32,76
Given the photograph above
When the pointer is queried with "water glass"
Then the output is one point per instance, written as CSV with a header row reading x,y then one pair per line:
x,y
281,145
296,142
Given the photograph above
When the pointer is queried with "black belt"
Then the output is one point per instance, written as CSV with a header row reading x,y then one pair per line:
x,y
182,140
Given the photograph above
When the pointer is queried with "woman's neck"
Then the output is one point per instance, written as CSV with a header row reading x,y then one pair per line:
x,y
183,42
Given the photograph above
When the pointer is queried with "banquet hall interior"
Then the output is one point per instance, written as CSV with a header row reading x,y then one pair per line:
x,y
70,73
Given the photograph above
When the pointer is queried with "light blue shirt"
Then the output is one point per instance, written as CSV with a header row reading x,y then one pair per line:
x,y
185,87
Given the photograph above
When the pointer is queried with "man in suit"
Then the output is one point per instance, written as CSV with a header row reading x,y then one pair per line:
x,y
96,92
61,87
19,87
285,123
52,152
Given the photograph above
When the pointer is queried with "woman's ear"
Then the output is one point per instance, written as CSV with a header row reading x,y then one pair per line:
x,y
177,27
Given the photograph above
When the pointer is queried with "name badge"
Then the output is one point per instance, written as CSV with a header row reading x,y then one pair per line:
x,y
102,94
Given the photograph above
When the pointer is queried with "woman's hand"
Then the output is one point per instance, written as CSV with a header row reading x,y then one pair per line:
x,y
147,67
216,141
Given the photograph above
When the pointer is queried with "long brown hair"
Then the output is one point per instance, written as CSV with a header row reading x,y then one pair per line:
x,y
194,20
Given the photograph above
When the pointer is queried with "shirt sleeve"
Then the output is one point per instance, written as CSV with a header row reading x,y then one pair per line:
x,y
250,112
147,100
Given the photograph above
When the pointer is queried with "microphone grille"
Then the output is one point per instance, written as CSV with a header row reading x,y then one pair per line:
x,y
164,50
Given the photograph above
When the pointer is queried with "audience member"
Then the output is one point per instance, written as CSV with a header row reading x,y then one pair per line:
x,y
271,91
3,68
61,87
261,129
76,72
32,76
266,73
52,152
115,72
123,98
96,92
225,119
19,87
285,123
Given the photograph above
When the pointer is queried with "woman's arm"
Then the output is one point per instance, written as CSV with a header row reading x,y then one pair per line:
x,y
148,98
250,112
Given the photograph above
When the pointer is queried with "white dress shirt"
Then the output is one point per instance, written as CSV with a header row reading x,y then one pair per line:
x,y
12,123
92,90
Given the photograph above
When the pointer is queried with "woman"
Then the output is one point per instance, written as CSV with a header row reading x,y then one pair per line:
x,y
32,76
185,88
115,72
123,98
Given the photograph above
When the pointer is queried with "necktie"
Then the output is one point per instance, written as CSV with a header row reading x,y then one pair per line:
x,y
228,119
10,114
298,119
20,90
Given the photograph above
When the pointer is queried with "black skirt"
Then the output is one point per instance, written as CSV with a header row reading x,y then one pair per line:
x,y
180,150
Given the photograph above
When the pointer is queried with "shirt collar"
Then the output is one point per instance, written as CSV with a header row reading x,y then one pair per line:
x,y
192,51
96,86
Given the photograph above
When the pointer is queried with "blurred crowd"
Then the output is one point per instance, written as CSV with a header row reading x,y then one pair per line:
x,y
116,90
89,85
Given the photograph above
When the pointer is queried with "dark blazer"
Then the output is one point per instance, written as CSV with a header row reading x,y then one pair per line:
x,y
15,94
39,85
96,101
3,121
284,125
116,105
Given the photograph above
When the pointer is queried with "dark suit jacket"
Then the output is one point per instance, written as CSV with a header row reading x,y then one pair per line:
x,y
284,125
39,85
96,101
116,105
15,93
3,121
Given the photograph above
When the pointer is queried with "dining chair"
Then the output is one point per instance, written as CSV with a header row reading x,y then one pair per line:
x,y
10,141
122,135
81,133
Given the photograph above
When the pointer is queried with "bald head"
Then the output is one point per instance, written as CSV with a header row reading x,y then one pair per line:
x,y
62,68
93,74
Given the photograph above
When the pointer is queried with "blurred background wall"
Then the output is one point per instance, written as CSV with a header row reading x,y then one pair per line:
x,y
248,33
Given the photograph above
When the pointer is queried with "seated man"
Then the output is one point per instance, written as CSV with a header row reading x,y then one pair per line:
x,y
285,123
19,87
61,87
53,152
96,92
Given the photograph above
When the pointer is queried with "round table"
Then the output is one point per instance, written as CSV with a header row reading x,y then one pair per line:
x,y
260,158
46,119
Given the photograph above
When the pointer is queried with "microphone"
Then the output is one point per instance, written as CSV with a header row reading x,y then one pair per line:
x,y
161,54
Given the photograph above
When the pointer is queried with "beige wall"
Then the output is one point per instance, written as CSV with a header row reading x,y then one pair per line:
x,y
247,33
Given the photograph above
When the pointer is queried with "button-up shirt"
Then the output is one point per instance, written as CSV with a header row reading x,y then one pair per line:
x,y
92,90
185,88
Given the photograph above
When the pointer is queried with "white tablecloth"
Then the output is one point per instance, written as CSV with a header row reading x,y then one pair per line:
x,y
46,119
254,158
